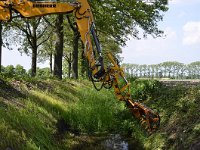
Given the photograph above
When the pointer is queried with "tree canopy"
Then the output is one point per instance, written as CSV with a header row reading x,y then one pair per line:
x,y
121,19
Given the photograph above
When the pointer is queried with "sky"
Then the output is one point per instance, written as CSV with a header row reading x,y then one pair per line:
x,y
181,24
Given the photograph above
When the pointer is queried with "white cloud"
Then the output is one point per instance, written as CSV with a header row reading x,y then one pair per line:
x,y
182,1
151,50
191,33
170,33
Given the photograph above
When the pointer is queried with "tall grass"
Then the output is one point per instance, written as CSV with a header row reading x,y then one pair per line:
x,y
30,121
179,110
94,112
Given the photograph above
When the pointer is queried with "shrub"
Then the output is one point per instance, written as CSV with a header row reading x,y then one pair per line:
x,y
144,89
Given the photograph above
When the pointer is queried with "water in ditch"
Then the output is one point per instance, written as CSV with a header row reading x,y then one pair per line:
x,y
117,142
111,142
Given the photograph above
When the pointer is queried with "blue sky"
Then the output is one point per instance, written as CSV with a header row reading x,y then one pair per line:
x,y
182,42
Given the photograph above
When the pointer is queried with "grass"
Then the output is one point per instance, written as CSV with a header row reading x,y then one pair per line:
x,y
52,114
34,113
180,116
94,116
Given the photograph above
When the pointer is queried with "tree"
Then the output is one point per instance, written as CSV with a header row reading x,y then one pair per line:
x,y
144,69
29,34
109,45
1,44
20,71
120,19
168,66
43,73
134,69
10,70
176,67
153,70
76,37
194,68
116,20
181,71
67,45
127,68
47,51
148,71
58,55
68,59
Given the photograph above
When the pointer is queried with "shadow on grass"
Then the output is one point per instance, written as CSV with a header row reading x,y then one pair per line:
x,y
179,111
7,91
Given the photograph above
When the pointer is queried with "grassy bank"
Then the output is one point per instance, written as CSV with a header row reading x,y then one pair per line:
x,y
47,114
179,109
50,114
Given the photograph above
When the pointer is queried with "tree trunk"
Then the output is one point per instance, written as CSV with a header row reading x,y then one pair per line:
x,y
34,61
34,53
70,65
75,49
75,55
84,70
50,62
1,43
58,47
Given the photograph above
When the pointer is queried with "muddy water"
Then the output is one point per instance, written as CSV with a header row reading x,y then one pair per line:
x,y
117,142
109,142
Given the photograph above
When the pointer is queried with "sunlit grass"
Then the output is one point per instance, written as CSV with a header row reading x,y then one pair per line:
x,y
44,98
22,126
94,112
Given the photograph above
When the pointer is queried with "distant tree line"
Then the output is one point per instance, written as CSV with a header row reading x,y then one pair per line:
x,y
20,72
169,69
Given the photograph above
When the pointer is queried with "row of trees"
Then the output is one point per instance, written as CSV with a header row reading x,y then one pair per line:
x,y
56,37
170,69
19,71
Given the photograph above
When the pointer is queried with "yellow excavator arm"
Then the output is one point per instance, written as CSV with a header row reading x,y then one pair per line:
x,y
112,76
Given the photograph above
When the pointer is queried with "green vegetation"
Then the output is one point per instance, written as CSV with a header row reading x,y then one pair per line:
x,y
51,114
179,111
18,72
37,114
169,69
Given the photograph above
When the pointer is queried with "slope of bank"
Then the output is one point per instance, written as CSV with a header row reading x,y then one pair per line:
x,y
179,109
51,114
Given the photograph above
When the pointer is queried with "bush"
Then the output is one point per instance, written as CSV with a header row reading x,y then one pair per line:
x,y
20,71
17,72
143,89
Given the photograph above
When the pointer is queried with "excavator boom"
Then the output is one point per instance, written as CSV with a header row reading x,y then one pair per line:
x,y
110,76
